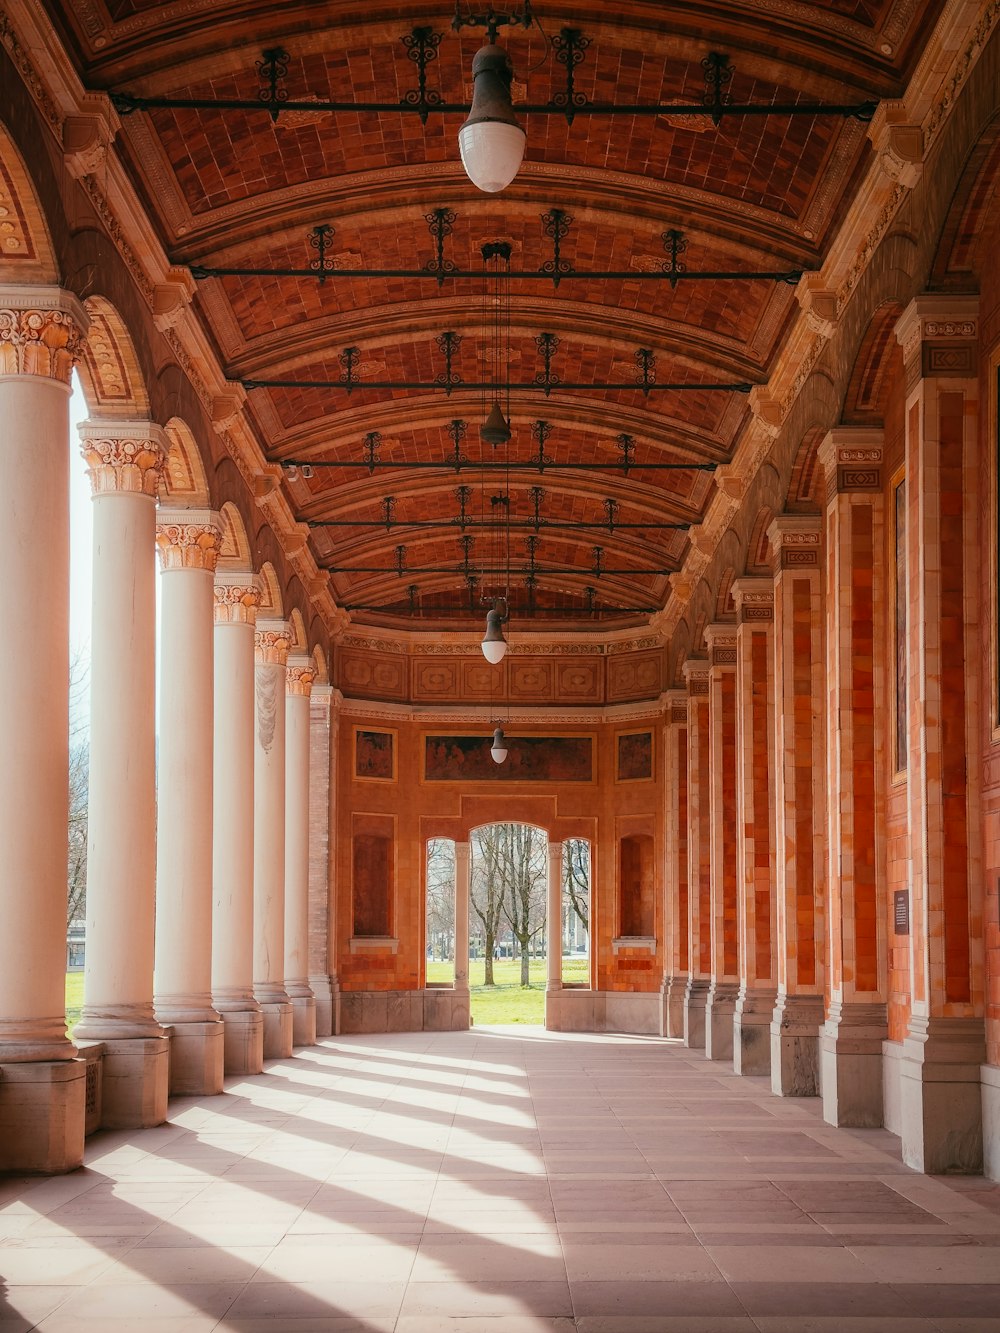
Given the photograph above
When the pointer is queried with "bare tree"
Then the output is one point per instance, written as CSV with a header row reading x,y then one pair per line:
x,y
488,885
79,780
440,896
576,878
521,863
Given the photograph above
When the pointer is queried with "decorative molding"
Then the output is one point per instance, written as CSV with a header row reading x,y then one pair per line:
x,y
188,539
237,597
271,642
41,332
32,79
125,456
300,674
898,145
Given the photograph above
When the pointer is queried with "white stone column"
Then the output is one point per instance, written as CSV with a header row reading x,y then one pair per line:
x,y
41,1083
320,905
463,866
237,595
188,542
126,461
553,922
299,677
271,654
333,920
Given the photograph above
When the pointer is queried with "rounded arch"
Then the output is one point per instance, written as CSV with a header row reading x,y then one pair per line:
x,y
186,482
26,252
871,377
299,642
235,550
113,383
271,603
320,665
759,547
806,482
967,239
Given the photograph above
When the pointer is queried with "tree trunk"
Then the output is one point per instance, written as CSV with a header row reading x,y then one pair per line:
x,y
525,967
488,980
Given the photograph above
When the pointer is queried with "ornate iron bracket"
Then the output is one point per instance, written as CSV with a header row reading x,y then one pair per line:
x,y
440,223
626,447
591,596
645,359
598,561
472,580
466,541
546,343
540,431
372,443
463,495
412,594
448,343
320,240
556,224
349,358
537,496
718,77
675,245
569,47
422,48
611,513
400,560
388,510
456,432
272,69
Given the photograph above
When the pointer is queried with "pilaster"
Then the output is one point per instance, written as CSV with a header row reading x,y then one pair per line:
x,y
799,803
699,846
676,915
755,868
722,795
940,1097
320,709
851,1044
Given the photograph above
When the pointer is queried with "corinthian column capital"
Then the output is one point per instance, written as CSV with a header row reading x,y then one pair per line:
x,y
271,641
128,456
188,538
41,332
237,597
300,675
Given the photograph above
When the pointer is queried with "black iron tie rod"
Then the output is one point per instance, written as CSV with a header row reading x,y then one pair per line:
x,y
490,386
472,465
790,276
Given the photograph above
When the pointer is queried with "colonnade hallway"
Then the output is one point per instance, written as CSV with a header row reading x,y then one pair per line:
x,y
508,1179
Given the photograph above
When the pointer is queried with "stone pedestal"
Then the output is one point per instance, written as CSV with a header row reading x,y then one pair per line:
x,y
795,1030
672,1006
851,1065
752,1032
196,1058
940,1097
279,1035
42,1110
243,1041
695,1000
303,1018
719,1010
136,1075
319,984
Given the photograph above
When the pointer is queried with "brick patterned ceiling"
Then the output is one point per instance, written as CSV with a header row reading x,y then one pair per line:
x,y
236,189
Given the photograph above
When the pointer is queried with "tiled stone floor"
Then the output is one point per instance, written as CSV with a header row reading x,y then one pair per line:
x,y
500,1181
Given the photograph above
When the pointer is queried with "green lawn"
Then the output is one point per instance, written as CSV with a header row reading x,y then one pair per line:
x,y
74,999
507,1001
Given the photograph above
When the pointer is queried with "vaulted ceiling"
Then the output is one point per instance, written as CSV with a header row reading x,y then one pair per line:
x,y
407,537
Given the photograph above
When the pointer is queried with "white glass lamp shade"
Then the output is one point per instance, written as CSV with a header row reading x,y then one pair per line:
x,y
499,747
491,141
492,152
494,644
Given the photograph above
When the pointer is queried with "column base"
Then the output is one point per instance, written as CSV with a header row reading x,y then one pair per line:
x,y
135,1080
752,1032
695,999
851,1065
335,989
303,1019
243,1041
672,1002
42,1116
719,1010
319,984
795,1029
196,1058
940,1095
990,1077
277,1015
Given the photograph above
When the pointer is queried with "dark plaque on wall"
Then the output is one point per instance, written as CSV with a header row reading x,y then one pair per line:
x,y
901,911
